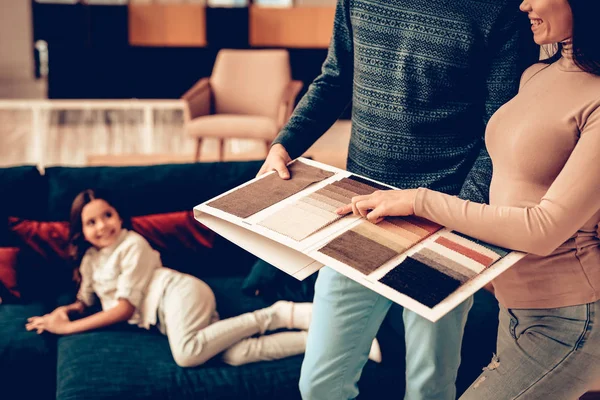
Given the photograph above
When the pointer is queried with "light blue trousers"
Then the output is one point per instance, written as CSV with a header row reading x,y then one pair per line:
x,y
346,318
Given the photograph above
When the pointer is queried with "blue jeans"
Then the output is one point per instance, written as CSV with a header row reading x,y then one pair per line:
x,y
549,354
346,318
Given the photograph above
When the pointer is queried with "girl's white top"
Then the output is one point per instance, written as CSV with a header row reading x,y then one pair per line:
x,y
128,269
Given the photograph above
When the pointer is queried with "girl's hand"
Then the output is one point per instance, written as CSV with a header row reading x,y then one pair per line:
x,y
381,203
56,322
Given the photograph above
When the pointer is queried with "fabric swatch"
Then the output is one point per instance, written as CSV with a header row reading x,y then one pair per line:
x,y
472,245
318,203
369,183
426,285
465,251
502,252
408,239
341,191
423,223
327,200
456,257
380,235
444,265
333,195
263,193
404,224
358,252
354,187
298,221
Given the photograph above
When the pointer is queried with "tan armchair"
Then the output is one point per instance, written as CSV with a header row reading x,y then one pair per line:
x,y
250,95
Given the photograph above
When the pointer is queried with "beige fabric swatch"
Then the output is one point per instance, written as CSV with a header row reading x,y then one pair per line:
x,y
265,192
327,200
379,235
399,233
294,222
318,203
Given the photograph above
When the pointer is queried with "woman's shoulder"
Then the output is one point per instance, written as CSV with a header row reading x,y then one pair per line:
x,y
531,72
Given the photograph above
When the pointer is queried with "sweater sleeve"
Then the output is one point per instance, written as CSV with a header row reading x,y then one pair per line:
x,y
572,199
510,50
328,95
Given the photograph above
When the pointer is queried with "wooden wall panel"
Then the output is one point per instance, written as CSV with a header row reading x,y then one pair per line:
x,y
178,25
293,27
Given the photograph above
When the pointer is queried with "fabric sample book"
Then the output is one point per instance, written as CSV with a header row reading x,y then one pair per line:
x,y
293,224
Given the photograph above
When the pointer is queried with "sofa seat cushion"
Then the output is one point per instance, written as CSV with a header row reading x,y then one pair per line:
x,y
27,360
233,126
133,363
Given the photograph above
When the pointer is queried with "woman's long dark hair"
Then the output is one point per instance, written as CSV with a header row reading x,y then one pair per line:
x,y
586,43
77,243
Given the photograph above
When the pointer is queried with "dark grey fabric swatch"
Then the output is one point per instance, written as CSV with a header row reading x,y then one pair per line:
x,y
358,252
265,192
368,182
426,285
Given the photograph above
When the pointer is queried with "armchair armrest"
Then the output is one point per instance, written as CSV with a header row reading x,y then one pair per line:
x,y
288,101
198,98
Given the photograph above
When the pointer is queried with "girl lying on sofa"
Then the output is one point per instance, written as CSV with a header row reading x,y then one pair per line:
x,y
126,274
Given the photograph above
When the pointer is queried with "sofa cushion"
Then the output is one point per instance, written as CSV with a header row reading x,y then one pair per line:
x,y
233,126
135,364
27,360
147,189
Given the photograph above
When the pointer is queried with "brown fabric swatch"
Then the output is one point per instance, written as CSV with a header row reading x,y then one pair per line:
x,y
341,191
419,232
360,186
426,224
359,191
443,265
358,252
265,192
333,195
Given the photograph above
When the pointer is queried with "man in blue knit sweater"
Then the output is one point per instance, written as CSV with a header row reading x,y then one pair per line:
x,y
423,76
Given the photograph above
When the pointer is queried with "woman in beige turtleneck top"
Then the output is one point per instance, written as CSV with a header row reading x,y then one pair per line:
x,y
545,201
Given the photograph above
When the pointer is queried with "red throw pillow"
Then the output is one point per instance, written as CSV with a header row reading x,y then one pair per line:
x,y
173,231
168,232
8,270
48,239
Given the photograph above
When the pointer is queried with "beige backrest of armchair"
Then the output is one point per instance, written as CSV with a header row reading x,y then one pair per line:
x,y
244,83
250,82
